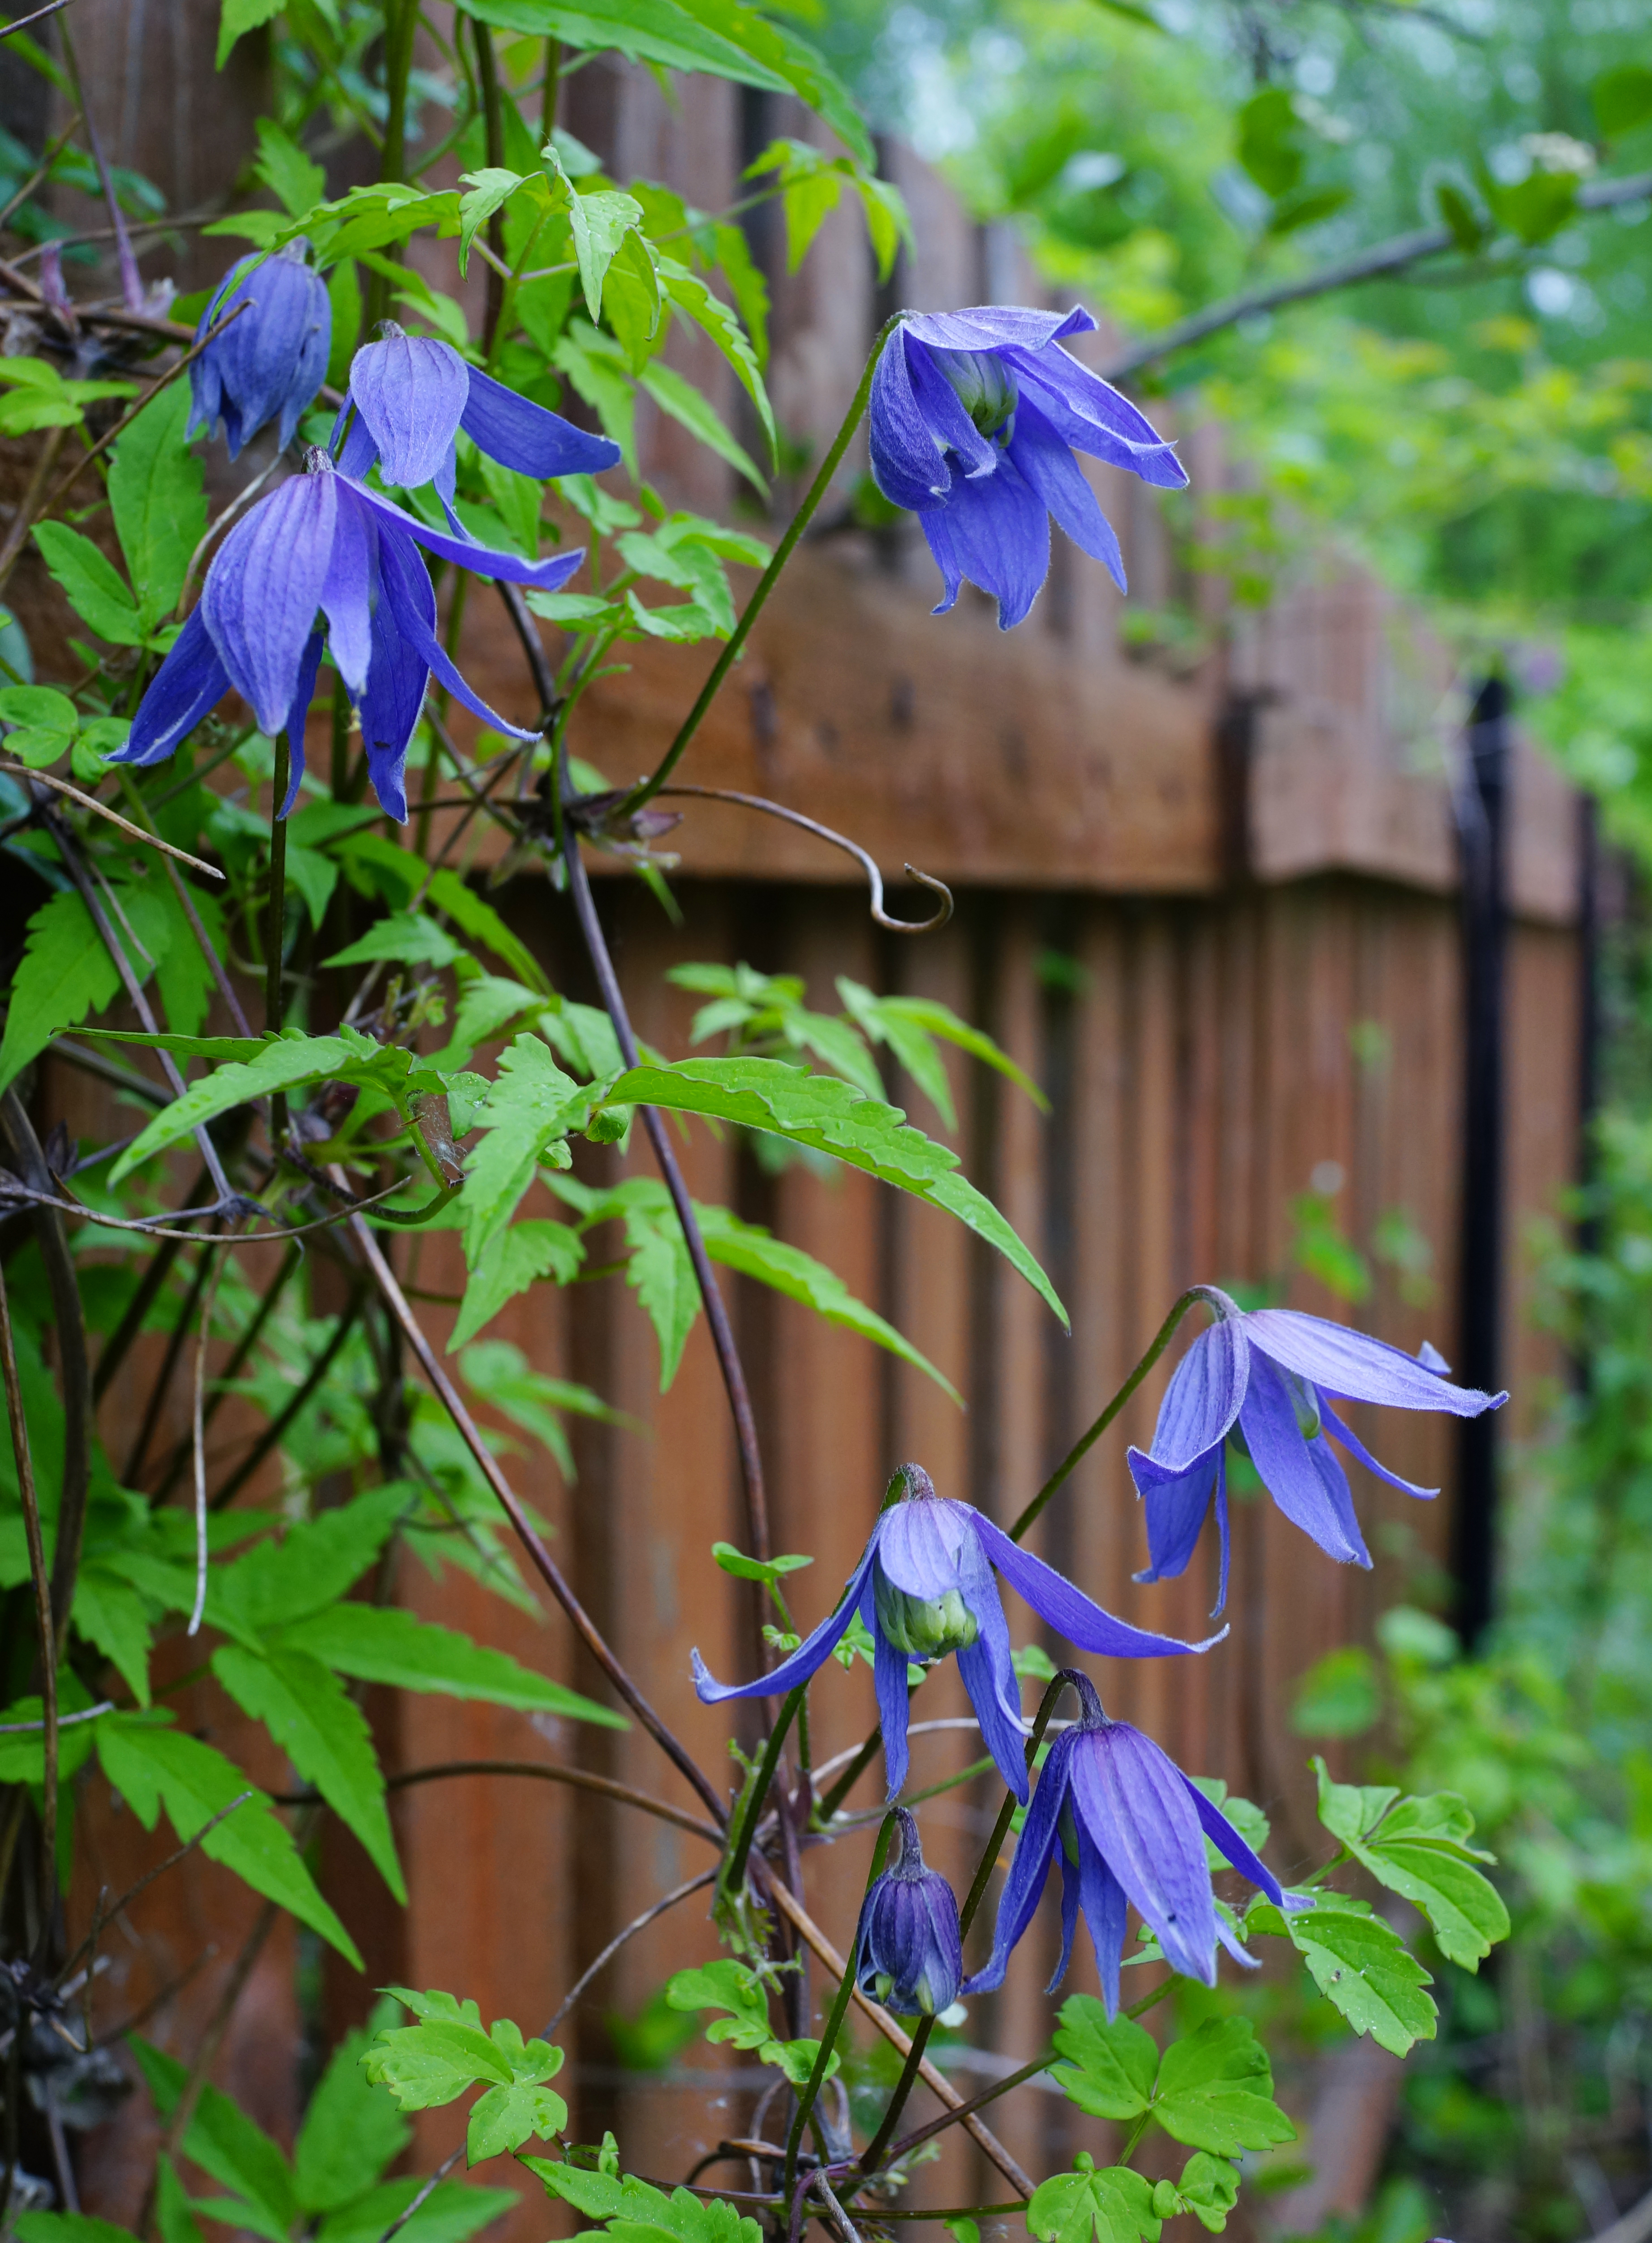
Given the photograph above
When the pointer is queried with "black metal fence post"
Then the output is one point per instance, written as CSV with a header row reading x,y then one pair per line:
x,y
1482,827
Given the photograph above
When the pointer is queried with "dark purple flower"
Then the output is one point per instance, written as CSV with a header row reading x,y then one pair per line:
x,y
1126,1825
412,396
908,1951
323,542
273,359
976,417
1263,1379
925,1587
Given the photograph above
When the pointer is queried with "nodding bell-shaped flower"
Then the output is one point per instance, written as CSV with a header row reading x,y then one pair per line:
x,y
1126,1826
273,358
412,396
976,417
924,1587
1263,1380
323,562
908,1951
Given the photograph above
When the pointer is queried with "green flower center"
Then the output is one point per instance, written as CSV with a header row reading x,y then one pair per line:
x,y
924,1627
985,388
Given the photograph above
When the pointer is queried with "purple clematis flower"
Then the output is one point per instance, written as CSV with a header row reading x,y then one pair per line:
x,y
412,396
1126,1826
908,1950
273,358
976,417
323,542
1263,1380
925,1586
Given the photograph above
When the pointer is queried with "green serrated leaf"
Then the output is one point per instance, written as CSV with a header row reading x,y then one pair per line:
x,y
829,1116
530,1109
153,1765
433,2062
483,924
309,1713
351,2132
313,1564
91,585
222,2140
674,394
1209,2189
727,1985
1111,2204
1109,2068
297,182
380,1643
110,1612
1360,1964
406,939
1216,2091
662,1277
278,1065
158,495
533,1248
505,2118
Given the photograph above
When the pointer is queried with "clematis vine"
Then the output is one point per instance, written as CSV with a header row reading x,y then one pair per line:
x,y
975,416
323,544
413,394
272,359
924,1587
908,1950
1126,1827
1262,1381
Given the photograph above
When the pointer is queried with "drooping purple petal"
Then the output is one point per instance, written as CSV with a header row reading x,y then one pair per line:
x,y
1222,1530
1293,1468
411,391
908,463
304,693
1070,1612
1049,467
1132,1798
1089,415
1175,1504
405,586
188,686
945,417
1357,1369
1103,1902
992,326
889,1680
921,1543
812,1652
263,589
1070,1917
987,1671
397,676
1024,1885
523,436
1204,1396
1240,1953
347,596
995,532
1228,1843
1357,1449
547,576
360,451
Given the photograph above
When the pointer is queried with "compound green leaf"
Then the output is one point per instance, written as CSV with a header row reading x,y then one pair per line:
x,y
533,1247
153,1765
663,1275
380,1643
1216,2091
157,495
92,584
307,1711
505,2118
65,972
223,2141
752,1251
530,1109
1111,2204
1109,2068
405,938
311,1565
1360,1964
831,1116
434,2062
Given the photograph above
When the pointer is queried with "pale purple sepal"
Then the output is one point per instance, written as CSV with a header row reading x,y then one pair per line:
x,y
263,589
1358,1369
188,686
411,392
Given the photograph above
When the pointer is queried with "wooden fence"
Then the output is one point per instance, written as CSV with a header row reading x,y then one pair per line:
x,y
1215,914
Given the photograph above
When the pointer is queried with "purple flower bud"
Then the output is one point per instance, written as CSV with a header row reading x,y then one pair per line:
x,y
908,1951
273,359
